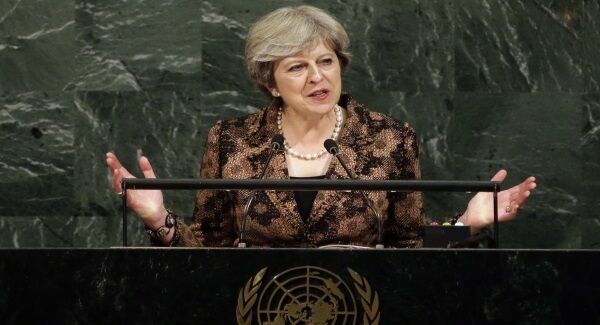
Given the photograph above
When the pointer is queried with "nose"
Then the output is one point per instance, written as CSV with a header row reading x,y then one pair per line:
x,y
315,75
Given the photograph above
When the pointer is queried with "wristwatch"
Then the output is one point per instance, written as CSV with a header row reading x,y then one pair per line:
x,y
165,230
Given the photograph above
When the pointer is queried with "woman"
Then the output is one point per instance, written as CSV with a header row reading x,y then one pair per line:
x,y
296,57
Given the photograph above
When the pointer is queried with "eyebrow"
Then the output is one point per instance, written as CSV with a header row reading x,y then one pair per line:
x,y
294,59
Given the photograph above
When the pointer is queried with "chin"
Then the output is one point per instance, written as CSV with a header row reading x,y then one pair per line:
x,y
322,108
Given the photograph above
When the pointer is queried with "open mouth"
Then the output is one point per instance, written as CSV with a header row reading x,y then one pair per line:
x,y
319,94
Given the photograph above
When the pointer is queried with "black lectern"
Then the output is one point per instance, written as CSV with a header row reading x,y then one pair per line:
x,y
298,286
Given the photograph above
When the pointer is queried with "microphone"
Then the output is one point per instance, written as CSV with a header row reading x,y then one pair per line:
x,y
332,147
276,144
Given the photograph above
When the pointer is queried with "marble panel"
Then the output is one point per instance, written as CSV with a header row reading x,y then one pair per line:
x,y
20,232
37,48
527,134
530,46
142,44
403,46
431,114
590,177
591,45
166,126
225,25
63,231
36,160
223,105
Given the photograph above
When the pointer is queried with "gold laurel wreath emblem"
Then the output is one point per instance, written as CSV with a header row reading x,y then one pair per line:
x,y
369,298
247,298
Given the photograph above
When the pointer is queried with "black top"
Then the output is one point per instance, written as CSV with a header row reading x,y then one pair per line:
x,y
305,199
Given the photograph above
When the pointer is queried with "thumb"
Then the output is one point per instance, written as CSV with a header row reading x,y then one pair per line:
x,y
500,176
146,168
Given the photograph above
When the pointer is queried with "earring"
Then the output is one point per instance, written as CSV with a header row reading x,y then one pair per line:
x,y
276,93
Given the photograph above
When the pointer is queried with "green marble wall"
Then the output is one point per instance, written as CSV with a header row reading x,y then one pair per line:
x,y
486,84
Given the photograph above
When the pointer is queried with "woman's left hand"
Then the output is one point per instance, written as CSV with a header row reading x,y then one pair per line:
x,y
479,213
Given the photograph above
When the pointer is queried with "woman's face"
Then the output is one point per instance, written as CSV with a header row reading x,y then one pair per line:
x,y
309,82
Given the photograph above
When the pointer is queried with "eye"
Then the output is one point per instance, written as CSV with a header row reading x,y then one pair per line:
x,y
295,67
327,61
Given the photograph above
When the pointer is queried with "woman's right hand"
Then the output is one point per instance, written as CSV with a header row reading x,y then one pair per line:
x,y
148,204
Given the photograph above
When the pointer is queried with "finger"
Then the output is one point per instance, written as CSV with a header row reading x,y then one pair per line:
x,y
513,212
500,176
146,168
118,175
514,209
114,164
114,161
111,163
527,185
522,197
514,193
114,174
532,185
124,173
116,180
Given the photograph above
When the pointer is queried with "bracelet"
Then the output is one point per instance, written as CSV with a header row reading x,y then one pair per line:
x,y
163,231
455,218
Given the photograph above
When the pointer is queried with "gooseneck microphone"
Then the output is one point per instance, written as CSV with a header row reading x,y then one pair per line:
x,y
276,144
332,147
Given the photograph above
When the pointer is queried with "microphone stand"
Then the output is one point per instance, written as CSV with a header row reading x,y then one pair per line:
x,y
331,146
276,143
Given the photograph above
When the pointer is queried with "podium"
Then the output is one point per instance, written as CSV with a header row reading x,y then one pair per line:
x,y
308,286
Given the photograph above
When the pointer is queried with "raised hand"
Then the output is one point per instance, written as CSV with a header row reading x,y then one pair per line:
x,y
479,212
148,204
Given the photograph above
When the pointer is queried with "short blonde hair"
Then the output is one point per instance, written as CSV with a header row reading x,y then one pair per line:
x,y
288,31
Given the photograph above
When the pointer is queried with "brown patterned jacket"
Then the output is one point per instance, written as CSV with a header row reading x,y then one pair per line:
x,y
375,147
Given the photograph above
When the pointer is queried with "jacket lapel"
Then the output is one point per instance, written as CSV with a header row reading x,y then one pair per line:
x,y
336,170
283,201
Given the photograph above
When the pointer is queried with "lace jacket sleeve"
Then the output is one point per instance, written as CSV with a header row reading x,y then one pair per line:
x,y
405,211
213,220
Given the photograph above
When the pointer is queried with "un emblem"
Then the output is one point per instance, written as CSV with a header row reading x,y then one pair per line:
x,y
307,295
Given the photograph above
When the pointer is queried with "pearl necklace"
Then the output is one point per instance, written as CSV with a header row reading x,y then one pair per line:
x,y
339,120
